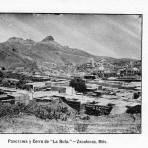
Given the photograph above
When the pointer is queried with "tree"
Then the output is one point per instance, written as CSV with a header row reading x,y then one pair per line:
x,y
78,84
1,76
21,83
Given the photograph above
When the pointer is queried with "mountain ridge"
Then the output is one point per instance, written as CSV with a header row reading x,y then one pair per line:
x,y
27,53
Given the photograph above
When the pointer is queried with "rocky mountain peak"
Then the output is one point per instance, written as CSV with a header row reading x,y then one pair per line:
x,y
16,39
20,40
48,38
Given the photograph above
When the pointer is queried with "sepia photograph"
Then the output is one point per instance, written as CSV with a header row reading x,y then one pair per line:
x,y
70,73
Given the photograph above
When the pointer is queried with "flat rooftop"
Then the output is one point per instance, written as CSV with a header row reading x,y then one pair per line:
x,y
36,83
3,96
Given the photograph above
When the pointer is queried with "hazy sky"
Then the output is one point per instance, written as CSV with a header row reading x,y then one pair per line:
x,y
104,35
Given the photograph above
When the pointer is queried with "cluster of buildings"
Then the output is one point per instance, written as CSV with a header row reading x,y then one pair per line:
x,y
99,77
103,69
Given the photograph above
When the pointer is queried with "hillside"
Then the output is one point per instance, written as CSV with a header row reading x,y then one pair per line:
x,y
19,52
30,54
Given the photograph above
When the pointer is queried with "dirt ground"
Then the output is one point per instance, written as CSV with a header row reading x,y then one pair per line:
x,y
24,123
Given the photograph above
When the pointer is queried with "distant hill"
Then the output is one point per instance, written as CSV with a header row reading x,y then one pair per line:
x,y
30,54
